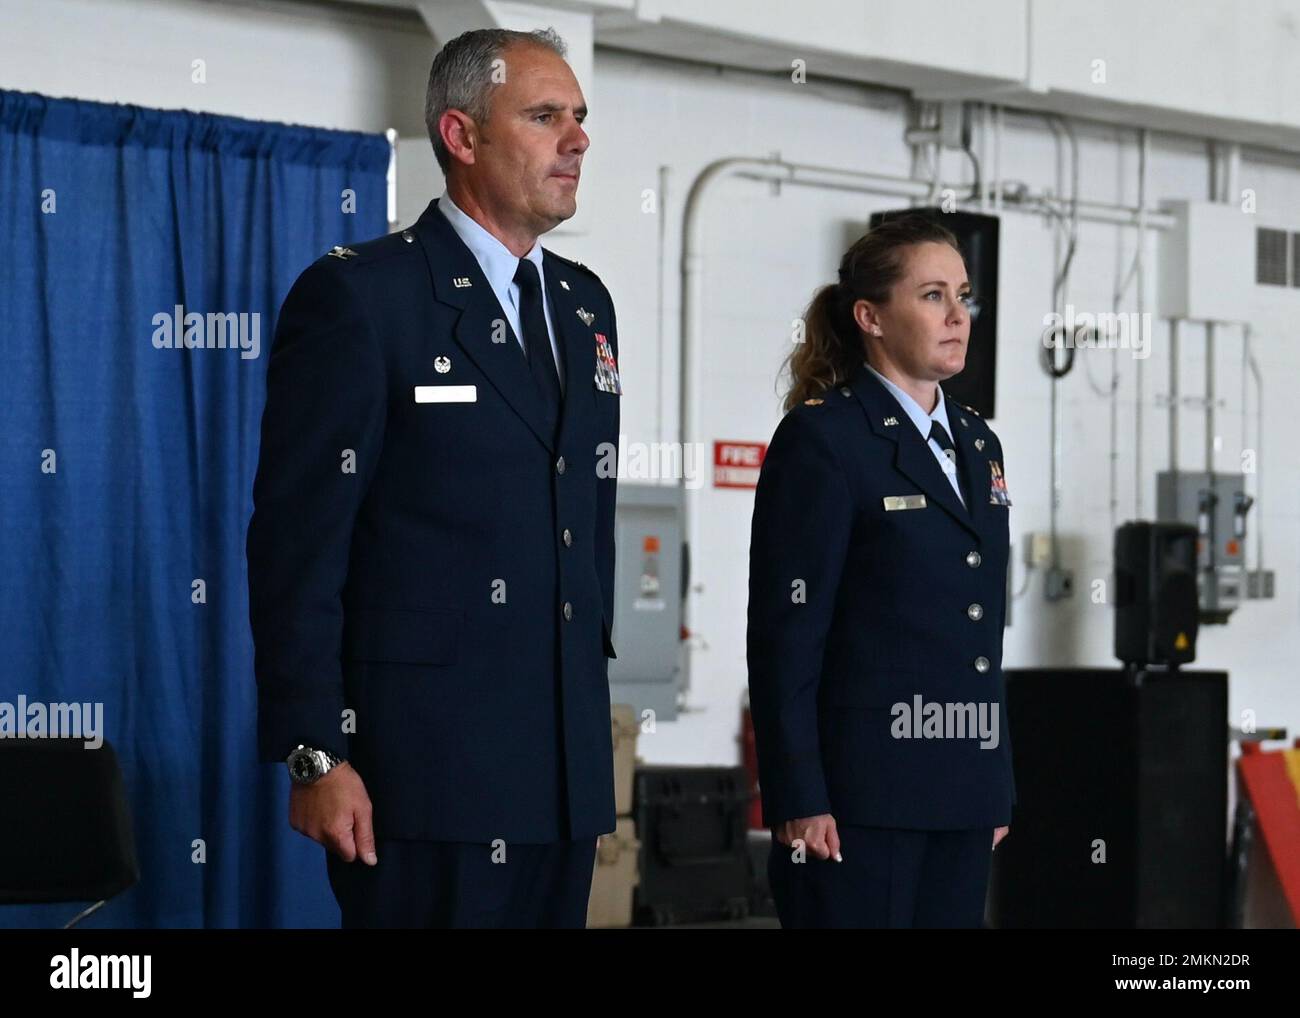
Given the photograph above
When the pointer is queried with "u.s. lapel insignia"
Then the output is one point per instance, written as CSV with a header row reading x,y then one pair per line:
x,y
890,422
339,251
460,282
607,379
979,443
442,365
998,494
586,316
564,284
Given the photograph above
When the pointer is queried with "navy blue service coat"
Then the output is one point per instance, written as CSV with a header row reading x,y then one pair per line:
x,y
455,589
871,586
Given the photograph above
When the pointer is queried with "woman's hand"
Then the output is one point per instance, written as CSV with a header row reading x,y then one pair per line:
x,y
999,833
817,833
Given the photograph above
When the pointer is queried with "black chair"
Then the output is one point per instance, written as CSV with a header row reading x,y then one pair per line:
x,y
69,835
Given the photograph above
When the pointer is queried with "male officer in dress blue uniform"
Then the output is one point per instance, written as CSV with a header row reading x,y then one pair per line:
x,y
877,579
431,553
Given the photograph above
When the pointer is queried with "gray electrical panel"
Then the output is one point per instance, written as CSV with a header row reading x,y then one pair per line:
x,y
1216,505
649,585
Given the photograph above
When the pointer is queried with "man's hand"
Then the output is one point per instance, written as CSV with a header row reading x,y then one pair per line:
x,y
999,833
335,811
817,833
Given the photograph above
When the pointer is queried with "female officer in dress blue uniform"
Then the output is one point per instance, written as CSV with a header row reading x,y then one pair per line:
x,y
876,603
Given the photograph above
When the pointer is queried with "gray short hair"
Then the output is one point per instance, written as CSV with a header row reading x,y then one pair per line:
x,y
461,76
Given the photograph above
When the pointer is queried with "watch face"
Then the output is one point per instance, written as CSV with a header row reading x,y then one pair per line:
x,y
304,767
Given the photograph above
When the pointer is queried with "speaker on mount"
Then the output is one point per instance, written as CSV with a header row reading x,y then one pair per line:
x,y
1156,603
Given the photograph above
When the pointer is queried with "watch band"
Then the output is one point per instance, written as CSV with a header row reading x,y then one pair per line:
x,y
307,765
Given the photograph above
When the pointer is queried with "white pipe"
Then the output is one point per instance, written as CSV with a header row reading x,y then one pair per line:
x,y
665,173
1173,395
853,180
1144,219
1259,445
779,171
983,154
997,158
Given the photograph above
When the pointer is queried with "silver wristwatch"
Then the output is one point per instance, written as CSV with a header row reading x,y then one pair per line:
x,y
307,765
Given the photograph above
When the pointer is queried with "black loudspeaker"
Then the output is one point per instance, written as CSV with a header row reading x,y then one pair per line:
x,y
1156,606
1120,819
977,236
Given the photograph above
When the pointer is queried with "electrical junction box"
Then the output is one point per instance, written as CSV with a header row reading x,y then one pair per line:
x,y
1217,506
1206,262
649,588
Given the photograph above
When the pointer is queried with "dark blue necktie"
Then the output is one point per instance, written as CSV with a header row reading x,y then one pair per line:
x,y
938,434
537,339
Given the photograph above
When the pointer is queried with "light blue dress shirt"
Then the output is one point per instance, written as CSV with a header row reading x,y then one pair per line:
x,y
500,266
922,420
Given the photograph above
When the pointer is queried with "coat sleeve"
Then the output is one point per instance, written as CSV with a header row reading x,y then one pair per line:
x,y
606,501
322,430
802,522
1006,586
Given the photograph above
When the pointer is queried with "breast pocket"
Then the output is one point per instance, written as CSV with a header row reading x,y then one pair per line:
x,y
604,397
422,636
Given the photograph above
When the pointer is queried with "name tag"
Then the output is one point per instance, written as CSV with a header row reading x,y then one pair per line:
x,y
893,502
446,394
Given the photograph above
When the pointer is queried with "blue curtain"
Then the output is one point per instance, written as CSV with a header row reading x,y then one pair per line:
x,y
127,453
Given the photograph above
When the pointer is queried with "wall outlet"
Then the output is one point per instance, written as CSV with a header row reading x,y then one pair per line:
x,y
1038,550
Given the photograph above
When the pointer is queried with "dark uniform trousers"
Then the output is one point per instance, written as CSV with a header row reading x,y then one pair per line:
x,y
890,878
875,591
452,592
461,885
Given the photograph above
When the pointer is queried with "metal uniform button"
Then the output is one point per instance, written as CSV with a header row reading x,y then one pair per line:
x,y
559,465
975,611
568,537
568,614
981,664
972,558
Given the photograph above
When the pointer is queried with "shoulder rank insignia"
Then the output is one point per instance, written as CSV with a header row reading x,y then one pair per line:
x,y
813,402
338,251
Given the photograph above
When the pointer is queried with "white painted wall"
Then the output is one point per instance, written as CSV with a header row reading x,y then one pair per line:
x,y
766,252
